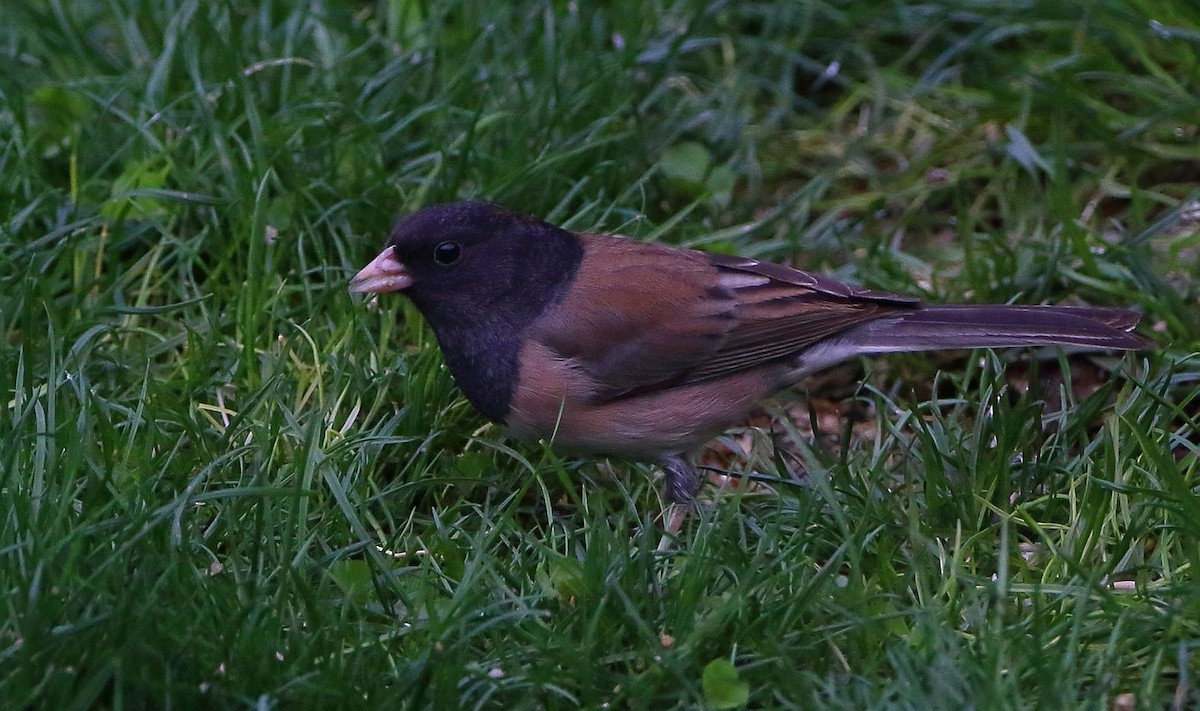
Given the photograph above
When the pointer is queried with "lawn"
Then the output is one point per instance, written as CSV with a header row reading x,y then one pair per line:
x,y
227,482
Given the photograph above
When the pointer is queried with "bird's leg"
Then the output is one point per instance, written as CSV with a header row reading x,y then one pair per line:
x,y
681,485
682,482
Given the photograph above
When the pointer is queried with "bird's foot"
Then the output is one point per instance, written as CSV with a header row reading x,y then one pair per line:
x,y
680,486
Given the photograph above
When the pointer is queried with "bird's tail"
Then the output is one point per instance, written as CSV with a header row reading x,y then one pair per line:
x,y
937,327
999,326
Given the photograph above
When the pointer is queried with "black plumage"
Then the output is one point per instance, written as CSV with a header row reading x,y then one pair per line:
x,y
613,346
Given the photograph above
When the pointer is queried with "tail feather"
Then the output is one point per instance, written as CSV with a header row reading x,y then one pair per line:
x,y
1001,326
938,327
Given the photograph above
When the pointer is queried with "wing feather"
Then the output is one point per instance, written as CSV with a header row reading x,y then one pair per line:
x,y
724,315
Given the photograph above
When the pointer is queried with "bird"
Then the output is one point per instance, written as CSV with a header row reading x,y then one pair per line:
x,y
606,345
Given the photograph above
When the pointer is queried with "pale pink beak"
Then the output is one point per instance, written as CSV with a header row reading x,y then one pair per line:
x,y
384,273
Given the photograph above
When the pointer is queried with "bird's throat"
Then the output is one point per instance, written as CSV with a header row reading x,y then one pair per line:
x,y
485,365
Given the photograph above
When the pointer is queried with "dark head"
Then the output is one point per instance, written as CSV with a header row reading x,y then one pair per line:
x,y
465,259
480,274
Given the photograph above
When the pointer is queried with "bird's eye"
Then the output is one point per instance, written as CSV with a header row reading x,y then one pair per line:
x,y
447,253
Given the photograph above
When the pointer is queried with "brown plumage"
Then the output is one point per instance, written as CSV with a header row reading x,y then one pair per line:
x,y
607,345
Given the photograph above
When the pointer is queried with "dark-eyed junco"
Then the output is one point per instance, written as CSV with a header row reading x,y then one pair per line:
x,y
607,345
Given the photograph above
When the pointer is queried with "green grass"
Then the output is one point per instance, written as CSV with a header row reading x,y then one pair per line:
x,y
227,482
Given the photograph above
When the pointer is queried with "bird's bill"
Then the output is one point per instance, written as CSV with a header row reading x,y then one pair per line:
x,y
384,273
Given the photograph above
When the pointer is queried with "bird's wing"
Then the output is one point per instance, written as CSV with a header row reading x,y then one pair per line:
x,y
646,317
638,316
782,311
